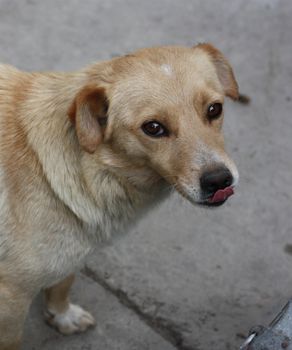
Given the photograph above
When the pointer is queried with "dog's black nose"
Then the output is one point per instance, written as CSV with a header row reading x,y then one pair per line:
x,y
215,179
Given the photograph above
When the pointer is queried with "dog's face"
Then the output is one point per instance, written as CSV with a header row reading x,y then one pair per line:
x,y
158,115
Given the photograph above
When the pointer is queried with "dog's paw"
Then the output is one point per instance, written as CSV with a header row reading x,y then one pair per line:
x,y
74,320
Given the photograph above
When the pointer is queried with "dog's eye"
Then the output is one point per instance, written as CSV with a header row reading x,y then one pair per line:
x,y
154,129
214,111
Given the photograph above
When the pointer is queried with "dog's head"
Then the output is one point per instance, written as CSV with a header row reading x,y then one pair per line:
x,y
157,115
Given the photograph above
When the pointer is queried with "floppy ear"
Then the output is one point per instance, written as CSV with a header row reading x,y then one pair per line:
x,y
224,70
88,113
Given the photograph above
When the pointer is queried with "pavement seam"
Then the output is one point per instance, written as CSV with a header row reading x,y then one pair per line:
x,y
160,326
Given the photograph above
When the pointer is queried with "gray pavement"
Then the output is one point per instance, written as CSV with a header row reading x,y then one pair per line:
x,y
185,278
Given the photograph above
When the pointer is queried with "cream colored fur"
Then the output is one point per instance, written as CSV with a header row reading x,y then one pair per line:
x,y
66,185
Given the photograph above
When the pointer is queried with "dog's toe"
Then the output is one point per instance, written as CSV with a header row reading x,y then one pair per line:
x,y
73,320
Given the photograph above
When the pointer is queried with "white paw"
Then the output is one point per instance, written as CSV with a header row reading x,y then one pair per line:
x,y
74,320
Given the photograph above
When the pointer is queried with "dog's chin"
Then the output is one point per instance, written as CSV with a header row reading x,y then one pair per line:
x,y
207,204
204,203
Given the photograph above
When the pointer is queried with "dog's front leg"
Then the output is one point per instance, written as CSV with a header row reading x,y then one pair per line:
x,y
67,318
14,305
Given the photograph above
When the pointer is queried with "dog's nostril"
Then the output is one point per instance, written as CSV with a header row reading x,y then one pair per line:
x,y
211,187
214,180
228,181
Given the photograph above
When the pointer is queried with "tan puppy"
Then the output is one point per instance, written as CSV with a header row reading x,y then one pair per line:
x,y
83,155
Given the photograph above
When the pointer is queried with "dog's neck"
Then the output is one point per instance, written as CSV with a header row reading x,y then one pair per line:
x,y
120,200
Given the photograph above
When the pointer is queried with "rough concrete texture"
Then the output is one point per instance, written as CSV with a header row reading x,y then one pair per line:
x,y
185,278
118,327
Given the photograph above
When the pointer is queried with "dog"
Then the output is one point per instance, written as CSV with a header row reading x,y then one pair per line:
x,y
83,155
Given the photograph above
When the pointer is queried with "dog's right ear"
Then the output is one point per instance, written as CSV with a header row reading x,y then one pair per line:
x,y
88,113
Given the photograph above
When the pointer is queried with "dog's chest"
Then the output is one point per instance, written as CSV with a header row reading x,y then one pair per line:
x,y
43,238
116,218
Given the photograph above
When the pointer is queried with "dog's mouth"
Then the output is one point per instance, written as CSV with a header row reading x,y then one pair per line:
x,y
208,200
219,197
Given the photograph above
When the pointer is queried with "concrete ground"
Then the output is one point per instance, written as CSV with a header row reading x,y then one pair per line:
x,y
185,278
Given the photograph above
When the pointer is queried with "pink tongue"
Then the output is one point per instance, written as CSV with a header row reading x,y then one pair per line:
x,y
221,195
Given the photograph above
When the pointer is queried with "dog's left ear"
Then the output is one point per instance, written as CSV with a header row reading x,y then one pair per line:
x,y
88,113
223,68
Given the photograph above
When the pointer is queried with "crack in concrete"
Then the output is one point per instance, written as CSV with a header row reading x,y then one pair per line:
x,y
165,328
